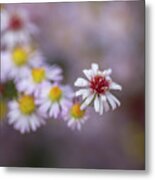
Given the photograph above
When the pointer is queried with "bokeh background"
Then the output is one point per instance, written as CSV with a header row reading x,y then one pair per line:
x,y
74,35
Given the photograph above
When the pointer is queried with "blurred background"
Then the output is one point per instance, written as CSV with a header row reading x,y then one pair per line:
x,y
74,35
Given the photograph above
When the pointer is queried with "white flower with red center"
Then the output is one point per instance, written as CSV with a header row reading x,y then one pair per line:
x,y
37,78
54,100
96,89
76,117
17,62
23,114
19,28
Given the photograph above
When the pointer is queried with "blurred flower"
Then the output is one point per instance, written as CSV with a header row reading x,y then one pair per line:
x,y
18,28
37,77
54,100
4,17
76,117
23,114
17,62
97,89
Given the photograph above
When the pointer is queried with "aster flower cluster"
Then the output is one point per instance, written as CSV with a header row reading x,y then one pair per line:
x,y
39,94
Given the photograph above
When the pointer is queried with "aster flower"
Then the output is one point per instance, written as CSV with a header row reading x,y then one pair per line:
x,y
54,100
96,89
76,117
23,114
18,28
17,62
37,78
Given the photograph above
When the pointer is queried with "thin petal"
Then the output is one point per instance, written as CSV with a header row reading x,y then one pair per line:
x,y
114,98
88,73
84,92
97,104
94,68
107,72
115,86
112,102
81,82
87,102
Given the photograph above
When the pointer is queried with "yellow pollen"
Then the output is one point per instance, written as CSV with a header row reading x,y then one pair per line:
x,y
27,104
19,56
38,75
76,112
55,93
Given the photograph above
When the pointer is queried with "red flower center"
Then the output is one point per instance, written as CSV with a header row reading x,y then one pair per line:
x,y
16,23
99,84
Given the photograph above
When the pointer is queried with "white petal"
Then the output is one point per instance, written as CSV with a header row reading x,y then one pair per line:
x,y
112,102
87,101
114,98
44,108
84,92
107,72
88,73
115,86
97,104
101,107
94,68
81,82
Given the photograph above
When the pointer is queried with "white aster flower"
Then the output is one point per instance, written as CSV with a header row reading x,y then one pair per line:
x,y
76,117
37,78
54,100
23,114
19,29
17,62
96,89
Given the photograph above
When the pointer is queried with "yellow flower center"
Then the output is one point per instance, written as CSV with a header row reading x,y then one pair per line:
x,y
19,56
55,93
38,75
76,112
27,104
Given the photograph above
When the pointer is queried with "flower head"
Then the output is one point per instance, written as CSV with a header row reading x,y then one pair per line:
x,y
18,28
76,117
17,62
23,114
96,89
55,100
37,78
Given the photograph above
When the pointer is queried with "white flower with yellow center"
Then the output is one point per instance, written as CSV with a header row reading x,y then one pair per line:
x,y
19,29
19,60
37,77
54,100
96,89
23,114
76,117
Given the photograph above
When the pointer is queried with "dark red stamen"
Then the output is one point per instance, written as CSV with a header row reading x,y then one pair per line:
x,y
15,23
99,84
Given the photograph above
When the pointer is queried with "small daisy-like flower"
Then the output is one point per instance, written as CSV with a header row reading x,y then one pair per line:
x,y
17,62
54,100
37,78
96,89
76,117
19,28
23,114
